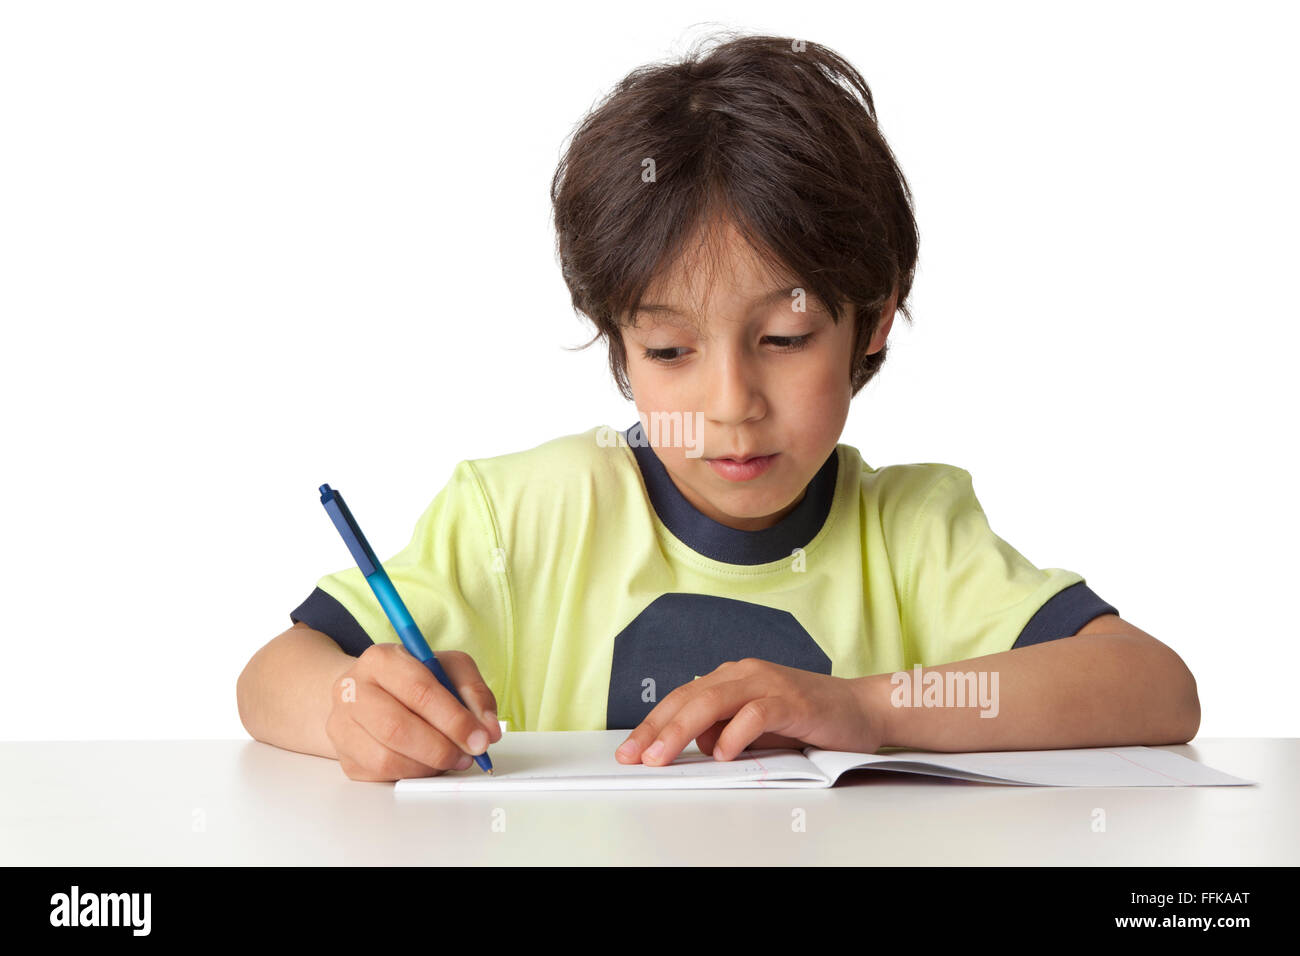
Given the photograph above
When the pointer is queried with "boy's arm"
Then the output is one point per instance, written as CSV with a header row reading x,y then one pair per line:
x,y
1111,684
284,690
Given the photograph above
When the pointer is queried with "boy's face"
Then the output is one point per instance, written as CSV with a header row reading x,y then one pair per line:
x,y
725,357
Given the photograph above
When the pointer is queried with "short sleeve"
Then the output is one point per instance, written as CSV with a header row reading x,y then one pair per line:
x,y
451,577
968,593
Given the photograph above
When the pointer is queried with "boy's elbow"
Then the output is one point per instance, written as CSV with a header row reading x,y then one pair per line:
x,y
243,701
1190,712
1185,704
1180,709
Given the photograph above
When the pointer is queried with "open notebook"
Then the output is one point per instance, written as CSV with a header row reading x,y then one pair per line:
x,y
584,760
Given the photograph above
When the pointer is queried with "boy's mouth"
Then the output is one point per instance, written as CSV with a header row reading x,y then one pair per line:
x,y
736,469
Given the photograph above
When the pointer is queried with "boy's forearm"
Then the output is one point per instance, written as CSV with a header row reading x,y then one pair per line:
x,y
284,691
1091,690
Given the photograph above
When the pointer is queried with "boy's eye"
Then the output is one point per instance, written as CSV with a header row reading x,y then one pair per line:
x,y
785,343
661,355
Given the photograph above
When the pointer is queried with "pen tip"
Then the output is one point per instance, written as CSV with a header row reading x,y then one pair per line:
x,y
489,771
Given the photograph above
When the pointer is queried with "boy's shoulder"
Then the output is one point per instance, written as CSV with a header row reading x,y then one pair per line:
x,y
576,463
899,484
910,480
572,453
903,494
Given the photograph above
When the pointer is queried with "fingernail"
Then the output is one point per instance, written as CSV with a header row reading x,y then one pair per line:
x,y
477,742
628,748
464,762
655,750
490,718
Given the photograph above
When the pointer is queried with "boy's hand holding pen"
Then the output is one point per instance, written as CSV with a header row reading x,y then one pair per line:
x,y
396,712
391,719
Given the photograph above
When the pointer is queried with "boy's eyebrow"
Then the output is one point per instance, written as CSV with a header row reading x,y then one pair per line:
x,y
767,298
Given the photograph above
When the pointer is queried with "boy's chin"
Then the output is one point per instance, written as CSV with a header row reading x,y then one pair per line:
x,y
748,505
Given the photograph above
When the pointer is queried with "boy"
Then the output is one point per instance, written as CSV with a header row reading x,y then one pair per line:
x,y
724,570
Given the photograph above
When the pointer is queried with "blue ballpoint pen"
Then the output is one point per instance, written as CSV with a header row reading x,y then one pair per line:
x,y
389,600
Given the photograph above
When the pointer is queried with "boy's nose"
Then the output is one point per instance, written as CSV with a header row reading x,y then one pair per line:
x,y
733,392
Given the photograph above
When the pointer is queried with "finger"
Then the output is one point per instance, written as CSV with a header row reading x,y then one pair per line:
x,y
395,727
752,719
709,738
413,685
473,689
704,707
362,757
708,741
644,733
762,742
374,761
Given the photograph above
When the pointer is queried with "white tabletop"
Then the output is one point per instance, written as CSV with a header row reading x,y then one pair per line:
x,y
222,802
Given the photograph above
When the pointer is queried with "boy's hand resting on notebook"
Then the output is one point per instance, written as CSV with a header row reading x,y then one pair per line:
x,y
392,719
752,704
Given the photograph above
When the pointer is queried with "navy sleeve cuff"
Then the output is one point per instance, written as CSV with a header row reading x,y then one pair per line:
x,y
1063,614
322,612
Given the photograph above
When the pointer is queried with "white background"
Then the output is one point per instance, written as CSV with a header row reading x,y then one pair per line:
x,y
248,248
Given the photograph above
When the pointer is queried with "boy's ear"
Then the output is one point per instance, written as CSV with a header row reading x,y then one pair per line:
x,y
886,323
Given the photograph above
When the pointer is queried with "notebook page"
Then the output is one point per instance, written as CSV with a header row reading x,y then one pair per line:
x,y
584,760
1083,767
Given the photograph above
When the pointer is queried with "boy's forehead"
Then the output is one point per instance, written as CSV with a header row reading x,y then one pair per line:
x,y
716,263
675,312
688,294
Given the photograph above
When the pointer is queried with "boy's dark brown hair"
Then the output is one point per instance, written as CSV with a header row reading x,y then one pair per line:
x,y
780,137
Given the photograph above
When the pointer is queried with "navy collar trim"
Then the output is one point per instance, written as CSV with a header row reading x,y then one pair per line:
x,y
731,545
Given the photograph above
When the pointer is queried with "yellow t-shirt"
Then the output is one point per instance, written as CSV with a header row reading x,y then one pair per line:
x,y
586,587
